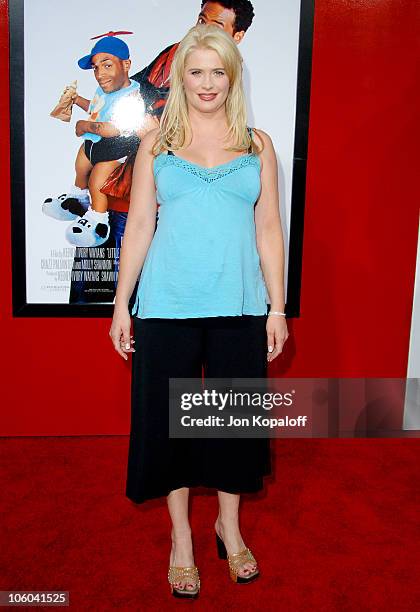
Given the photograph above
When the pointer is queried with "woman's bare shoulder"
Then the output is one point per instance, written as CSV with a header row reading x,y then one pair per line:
x,y
267,153
264,138
149,138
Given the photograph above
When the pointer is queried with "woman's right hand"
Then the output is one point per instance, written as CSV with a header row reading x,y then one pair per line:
x,y
120,332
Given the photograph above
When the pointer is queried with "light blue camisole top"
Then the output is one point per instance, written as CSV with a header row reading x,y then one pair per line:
x,y
203,259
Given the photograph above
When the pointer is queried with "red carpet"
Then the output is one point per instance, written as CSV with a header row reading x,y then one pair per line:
x,y
338,528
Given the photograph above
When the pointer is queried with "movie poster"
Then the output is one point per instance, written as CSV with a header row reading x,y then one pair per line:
x,y
77,182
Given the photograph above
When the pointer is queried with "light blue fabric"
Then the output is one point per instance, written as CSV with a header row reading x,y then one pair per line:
x,y
103,105
203,259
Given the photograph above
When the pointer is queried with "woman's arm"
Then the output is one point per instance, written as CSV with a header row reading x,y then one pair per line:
x,y
268,226
270,245
138,234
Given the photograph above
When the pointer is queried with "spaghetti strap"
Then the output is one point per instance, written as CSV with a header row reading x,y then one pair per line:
x,y
250,132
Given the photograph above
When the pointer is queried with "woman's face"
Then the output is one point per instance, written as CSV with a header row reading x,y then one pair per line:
x,y
206,83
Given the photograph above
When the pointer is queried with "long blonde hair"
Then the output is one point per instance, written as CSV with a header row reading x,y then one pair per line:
x,y
175,123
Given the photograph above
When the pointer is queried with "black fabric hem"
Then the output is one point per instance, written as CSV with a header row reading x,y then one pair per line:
x,y
140,499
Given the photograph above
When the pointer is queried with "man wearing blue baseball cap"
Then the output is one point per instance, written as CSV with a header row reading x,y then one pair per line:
x,y
117,122
108,44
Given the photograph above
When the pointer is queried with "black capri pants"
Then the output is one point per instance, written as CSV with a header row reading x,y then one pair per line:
x,y
233,346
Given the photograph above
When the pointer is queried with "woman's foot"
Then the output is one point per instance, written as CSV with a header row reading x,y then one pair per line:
x,y
228,531
182,556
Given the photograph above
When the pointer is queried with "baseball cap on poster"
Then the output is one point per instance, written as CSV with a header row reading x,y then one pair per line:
x,y
109,44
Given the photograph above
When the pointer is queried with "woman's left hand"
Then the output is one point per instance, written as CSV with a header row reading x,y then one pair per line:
x,y
277,335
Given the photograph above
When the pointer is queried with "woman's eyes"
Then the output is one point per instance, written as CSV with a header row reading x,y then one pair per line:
x,y
218,72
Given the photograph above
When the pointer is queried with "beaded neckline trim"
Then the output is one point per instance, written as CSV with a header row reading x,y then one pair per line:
x,y
216,172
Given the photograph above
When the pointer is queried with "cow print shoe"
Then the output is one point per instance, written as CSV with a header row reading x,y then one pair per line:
x,y
90,230
66,207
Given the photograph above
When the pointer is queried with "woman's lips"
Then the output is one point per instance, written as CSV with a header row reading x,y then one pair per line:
x,y
207,97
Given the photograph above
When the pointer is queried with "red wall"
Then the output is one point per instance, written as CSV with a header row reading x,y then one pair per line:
x,y
62,376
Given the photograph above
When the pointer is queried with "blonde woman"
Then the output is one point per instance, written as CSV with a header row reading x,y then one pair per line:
x,y
207,274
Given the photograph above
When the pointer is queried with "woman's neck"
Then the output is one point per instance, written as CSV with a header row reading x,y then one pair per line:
x,y
213,124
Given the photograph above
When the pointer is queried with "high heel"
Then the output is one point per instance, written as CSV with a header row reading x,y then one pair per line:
x,y
221,548
235,561
176,573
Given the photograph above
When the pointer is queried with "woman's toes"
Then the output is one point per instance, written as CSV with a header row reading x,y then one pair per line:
x,y
248,568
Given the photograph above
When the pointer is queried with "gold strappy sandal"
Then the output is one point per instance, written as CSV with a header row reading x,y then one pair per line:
x,y
176,573
236,560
